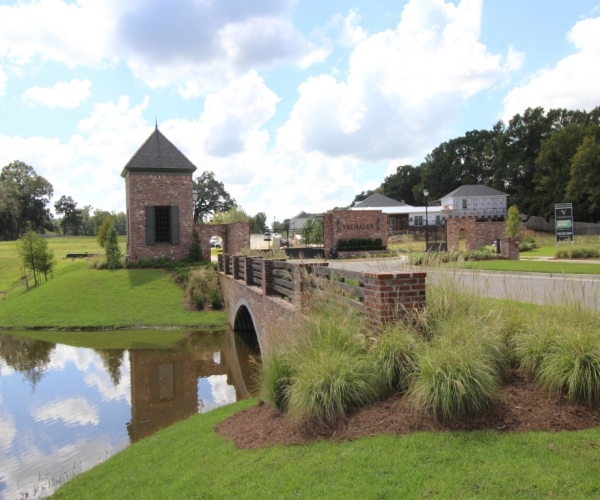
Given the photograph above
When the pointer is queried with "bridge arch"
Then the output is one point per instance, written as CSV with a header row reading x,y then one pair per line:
x,y
245,324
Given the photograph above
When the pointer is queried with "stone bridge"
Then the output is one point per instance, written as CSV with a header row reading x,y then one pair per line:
x,y
267,296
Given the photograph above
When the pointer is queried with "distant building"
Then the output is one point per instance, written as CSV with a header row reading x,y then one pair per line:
x,y
379,201
476,201
297,223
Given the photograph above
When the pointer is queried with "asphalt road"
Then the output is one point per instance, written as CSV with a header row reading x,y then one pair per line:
x,y
540,288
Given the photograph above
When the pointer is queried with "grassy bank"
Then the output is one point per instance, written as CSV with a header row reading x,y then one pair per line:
x,y
526,266
188,460
84,298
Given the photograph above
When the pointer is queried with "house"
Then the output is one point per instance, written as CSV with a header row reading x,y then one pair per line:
x,y
379,201
476,201
297,222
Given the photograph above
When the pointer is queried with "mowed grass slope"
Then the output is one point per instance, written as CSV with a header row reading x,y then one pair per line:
x,y
188,460
81,297
78,297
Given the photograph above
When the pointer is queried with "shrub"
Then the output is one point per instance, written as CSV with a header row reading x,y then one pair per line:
x,y
577,253
195,250
113,251
204,288
354,244
532,344
107,223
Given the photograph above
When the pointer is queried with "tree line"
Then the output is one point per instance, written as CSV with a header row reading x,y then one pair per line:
x,y
539,158
24,203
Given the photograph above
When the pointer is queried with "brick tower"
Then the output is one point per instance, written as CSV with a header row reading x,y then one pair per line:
x,y
160,213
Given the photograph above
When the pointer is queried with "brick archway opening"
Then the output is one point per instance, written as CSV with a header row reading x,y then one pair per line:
x,y
243,326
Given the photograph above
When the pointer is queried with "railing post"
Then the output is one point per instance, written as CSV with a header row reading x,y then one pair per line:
x,y
267,277
221,262
248,272
235,267
389,297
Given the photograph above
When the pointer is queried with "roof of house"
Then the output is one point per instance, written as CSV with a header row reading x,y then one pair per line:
x,y
474,190
407,209
158,154
379,200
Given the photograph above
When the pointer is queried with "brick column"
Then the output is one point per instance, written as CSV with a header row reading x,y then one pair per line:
x,y
509,248
248,276
235,267
221,262
389,296
328,232
267,277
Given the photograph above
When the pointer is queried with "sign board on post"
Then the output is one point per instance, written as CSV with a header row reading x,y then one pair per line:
x,y
563,216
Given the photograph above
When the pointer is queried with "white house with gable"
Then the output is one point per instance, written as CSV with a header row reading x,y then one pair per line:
x,y
476,201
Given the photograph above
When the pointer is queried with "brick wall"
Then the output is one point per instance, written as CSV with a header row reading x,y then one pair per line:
x,y
390,296
158,190
346,224
235,237
477,233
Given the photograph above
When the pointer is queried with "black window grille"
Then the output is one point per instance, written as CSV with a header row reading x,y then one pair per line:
x,y
163,224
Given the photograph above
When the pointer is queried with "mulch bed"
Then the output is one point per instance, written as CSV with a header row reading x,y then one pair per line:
x,y
523,407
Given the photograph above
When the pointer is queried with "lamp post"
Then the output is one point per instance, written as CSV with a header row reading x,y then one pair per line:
x,y
426,194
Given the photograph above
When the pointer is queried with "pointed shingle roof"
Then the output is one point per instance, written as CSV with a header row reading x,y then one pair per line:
x,y
379,200
158,154
474,190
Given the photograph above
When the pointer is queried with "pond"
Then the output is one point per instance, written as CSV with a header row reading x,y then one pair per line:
x,y
64,409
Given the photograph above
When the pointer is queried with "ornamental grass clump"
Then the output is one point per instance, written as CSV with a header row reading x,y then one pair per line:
x,y
275,378
204,288
562,351
572,365
394,357
454,379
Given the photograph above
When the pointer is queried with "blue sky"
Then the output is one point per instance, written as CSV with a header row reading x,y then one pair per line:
x,y
295,105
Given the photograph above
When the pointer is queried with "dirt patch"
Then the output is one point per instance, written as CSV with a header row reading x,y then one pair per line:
x,y
523,407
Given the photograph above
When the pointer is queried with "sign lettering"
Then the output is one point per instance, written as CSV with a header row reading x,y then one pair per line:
x,y
358,226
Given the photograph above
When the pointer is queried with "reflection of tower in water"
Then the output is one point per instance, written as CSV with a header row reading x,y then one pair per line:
x,y
164,384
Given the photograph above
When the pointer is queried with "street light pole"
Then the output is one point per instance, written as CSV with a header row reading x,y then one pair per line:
x,y
426,193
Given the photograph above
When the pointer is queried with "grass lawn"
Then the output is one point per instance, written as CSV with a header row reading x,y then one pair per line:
x,y
188,460
10,266
115,339
535,267
81,297
216,251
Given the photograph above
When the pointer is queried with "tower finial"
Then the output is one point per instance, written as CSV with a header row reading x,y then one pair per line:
x,y
156,123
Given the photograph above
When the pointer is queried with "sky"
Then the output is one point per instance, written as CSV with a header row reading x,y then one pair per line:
x,y
293,104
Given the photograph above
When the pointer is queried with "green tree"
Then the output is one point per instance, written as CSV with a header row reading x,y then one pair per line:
x,y
399,186
584,185
195,249
107,223
72,218
211,197
312,230
35,255
234,214
113,250
260,222
27,194
513,222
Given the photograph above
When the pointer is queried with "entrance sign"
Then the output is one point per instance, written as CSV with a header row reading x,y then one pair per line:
x,y
563,216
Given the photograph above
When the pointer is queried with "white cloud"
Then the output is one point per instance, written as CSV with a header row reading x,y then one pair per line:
x,y
3,79
72,33
572,83
73,411
61,95
351,33
223,394
7,432
404,86
198,44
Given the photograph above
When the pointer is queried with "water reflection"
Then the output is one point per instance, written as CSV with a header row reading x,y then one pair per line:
x,y
64,409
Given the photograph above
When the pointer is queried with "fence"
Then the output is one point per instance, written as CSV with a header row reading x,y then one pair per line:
x,y
580,228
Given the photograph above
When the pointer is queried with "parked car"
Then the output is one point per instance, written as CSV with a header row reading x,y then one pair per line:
x,y
215,242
